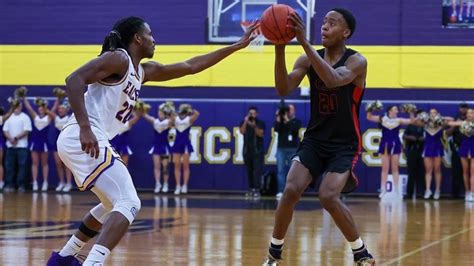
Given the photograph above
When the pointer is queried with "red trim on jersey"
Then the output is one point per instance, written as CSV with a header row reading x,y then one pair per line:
x,y
357,97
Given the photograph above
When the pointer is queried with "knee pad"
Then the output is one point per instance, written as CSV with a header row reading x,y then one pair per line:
x,y
128,207
87,231
100,212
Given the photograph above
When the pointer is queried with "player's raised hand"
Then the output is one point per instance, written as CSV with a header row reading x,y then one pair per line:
x,y
89,143
248,36
298,26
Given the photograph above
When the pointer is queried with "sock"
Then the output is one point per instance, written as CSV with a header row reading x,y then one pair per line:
x,y
357,245
98,254
72,247
277,243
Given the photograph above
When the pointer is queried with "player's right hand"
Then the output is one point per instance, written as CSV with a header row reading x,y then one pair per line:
x,y
89,143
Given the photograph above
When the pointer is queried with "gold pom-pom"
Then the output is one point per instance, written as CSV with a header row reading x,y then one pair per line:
x,y
40,102
21,92
374,106
59,93
408,108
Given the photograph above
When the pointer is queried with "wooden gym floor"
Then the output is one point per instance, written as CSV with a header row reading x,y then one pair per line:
x,y
229,230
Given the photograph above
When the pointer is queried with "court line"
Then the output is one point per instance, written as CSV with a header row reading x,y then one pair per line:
x,y
406,255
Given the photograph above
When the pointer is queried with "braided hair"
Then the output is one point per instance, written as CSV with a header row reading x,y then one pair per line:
x,y
122,34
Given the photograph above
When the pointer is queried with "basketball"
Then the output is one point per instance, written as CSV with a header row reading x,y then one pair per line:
x,y
274,23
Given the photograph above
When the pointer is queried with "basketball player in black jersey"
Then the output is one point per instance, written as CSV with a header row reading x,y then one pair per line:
x,y
332,141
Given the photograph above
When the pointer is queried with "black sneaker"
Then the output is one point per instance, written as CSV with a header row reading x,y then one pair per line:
x,y
364,259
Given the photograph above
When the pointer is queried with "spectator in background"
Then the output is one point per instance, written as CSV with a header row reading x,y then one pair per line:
x,y
60,118
253,130
39,140
16,130
454,143
182,147
288,127
121,142
3,118
414,141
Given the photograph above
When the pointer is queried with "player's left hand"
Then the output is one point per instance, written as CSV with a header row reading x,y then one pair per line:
x,y
298,27
248,36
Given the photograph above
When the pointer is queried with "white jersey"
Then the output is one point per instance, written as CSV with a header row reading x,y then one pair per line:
x,y
110,105
59,122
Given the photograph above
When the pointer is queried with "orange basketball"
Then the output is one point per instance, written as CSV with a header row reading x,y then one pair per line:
x,y
273,24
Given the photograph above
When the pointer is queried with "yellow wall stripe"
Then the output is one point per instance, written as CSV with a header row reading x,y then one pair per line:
x,y
389,66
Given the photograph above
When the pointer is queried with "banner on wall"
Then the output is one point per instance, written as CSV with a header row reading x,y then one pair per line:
x,y
217,163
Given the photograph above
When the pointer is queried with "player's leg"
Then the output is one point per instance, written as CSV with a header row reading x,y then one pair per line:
x,y
297,180
115,186
177,172
45,169
438,176
60,169
384,173
165,172
157,172
394,165
329,195
186,173
34,169
428,176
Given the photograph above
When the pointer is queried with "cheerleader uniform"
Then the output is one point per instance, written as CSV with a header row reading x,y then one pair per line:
x,y
433,145
121,142
390,143
182,143
160,142
59,122
39,136
466,150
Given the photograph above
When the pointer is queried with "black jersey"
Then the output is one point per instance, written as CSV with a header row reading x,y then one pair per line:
x,y
334,111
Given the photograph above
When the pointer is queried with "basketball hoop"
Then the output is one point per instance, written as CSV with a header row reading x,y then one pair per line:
x,y
257,44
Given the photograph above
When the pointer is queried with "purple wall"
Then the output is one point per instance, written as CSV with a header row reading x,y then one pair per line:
x,y
403,22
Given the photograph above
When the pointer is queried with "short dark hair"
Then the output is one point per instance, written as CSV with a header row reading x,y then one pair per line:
x,y
253,108
463,105
348,17
122,34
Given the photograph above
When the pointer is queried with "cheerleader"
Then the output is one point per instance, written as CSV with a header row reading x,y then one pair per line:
x,y
122,140
182,147
433,150
3,118
390,145
60,118
161,148
39,140
466,151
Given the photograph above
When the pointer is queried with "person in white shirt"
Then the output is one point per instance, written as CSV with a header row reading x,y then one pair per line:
x,y
3,117
16,130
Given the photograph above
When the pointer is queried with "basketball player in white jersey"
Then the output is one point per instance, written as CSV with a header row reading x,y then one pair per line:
x,y
114,80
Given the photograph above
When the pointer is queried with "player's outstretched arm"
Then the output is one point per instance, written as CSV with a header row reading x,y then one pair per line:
x,y
106,65
155,71
30,109
355,66
285,83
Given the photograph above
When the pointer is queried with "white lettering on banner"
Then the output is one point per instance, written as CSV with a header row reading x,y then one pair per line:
x,y
211,136
270,156
195,136
238,157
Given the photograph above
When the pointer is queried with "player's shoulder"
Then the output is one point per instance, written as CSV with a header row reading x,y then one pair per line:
x,y
118,57
357,57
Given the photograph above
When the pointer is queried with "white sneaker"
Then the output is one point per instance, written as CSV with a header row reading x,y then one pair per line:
x,y
67,187
2,184
467,196
35,185
427,194
382,193
60,187
177,191
437,194
470,197
157,187
279,195
45,186
165,188
184,189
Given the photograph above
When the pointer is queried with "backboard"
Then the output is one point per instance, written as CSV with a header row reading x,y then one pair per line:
x,y
225,16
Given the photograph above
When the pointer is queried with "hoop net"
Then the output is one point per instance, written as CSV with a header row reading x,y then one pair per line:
x,y
256,44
